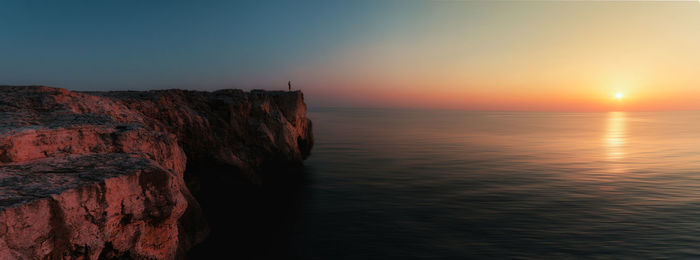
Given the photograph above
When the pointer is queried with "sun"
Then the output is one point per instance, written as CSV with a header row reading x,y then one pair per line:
x,y
619,95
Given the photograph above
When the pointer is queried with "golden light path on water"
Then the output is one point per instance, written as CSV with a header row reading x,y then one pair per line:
x,y
615,139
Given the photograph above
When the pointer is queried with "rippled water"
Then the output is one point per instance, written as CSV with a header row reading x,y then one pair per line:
x,y
451,184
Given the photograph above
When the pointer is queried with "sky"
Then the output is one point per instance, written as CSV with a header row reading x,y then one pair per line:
x,y
473,55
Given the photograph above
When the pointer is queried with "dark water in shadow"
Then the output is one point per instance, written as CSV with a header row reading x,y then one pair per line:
x,y
400,184
248,220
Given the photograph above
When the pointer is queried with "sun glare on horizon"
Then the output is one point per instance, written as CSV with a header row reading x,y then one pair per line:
x,y
619,95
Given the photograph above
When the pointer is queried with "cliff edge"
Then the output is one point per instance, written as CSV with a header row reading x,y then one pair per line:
x,y
110,174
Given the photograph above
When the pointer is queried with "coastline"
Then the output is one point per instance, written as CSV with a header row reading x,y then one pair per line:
x,y
55,134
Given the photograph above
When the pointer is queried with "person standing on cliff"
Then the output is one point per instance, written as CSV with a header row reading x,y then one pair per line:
x,y
289,85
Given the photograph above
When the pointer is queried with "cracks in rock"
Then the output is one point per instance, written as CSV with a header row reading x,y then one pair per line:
x,y
157,201
126,217
109,252
60,233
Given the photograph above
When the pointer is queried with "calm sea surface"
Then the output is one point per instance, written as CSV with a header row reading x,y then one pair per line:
x,y
403,184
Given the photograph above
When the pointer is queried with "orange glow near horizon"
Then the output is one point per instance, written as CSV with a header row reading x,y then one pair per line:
x,y
530,56
466,99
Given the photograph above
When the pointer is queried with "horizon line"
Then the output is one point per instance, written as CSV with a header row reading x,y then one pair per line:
x,y
495,110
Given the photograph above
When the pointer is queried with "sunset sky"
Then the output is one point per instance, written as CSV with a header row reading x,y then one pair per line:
x,y
476,55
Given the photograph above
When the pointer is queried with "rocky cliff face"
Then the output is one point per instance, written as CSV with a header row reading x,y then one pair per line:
x,y
90,175
248,130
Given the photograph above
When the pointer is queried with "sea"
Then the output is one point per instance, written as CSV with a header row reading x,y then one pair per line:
x,y
436,184
441,184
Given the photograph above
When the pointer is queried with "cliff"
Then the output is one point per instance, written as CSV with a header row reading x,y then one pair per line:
x,y
103,175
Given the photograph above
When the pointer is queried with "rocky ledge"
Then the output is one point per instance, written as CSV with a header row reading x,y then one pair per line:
x,y
112,174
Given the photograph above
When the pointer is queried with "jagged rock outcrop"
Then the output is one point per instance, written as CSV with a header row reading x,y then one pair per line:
x,y
90,175
248,130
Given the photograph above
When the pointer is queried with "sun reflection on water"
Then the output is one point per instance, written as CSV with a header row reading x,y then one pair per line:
x,y
616,137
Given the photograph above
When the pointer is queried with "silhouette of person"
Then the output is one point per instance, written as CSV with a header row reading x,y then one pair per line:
x,y
289,85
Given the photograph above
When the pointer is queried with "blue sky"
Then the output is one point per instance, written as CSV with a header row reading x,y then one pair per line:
x,y
106,45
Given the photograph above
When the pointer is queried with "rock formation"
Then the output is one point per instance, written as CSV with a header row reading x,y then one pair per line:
x,y
102,175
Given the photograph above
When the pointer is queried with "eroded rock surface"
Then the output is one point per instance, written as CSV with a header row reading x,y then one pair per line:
x,y
101,175
110,205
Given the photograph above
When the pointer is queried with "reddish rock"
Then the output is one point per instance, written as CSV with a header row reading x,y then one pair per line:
x,y
89,205
88,175
248,130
